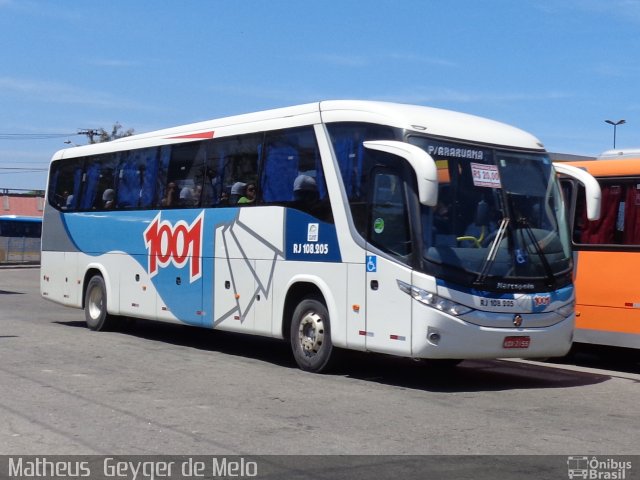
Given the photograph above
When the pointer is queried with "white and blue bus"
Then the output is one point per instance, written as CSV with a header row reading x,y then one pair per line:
x,y
20,239
358,225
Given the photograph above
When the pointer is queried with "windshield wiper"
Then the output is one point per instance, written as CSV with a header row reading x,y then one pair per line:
x,y
551,279
493,253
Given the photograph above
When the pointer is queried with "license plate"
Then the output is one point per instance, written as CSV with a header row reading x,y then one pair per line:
x,y
516,342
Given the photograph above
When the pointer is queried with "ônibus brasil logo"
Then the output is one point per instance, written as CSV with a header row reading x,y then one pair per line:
x,y
178,244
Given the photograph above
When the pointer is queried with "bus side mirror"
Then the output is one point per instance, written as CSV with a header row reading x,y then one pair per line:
x,y
421,162
591,187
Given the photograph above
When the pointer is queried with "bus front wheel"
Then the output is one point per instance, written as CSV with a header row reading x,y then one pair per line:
x,y
95,305
311,335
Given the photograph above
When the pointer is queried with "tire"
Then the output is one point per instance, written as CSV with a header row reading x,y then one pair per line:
x,y
311,336
95,305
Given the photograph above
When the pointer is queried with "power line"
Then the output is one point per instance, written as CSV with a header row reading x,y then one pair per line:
x,y
35,136
23,168
23,162
90,133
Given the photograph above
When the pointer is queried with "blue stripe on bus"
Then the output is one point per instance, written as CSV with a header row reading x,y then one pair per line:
x,y
98,233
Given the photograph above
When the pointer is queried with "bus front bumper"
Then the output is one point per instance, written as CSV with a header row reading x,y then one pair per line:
x,y
446,336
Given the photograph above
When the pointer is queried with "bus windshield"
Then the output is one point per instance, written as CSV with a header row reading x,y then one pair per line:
x,y
499,223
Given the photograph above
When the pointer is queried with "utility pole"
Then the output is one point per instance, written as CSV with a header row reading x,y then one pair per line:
x,y
90,133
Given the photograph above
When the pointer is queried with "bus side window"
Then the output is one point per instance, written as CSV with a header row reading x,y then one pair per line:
x,y
99,183
292,173
212,187
137,178
389,219
631,235
280,168
355,163
619,222
603,231
65,184
185,175
232,165
579,218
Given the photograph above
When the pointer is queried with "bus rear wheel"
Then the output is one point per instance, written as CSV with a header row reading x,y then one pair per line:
x,y
311,335
95,305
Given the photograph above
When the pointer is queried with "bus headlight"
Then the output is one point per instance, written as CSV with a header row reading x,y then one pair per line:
x,y
433,300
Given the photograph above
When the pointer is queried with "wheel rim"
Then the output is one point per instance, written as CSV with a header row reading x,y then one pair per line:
x,y
96,303
311,333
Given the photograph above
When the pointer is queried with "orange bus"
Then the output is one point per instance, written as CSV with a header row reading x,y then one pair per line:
x,y
608,253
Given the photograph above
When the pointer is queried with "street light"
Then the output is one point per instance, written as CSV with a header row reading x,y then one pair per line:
x,y
615,124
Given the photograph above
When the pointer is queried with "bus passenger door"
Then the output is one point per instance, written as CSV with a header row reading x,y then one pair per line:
x,y
388,325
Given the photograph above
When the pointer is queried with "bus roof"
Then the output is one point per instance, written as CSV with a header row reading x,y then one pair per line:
x,y
626,153
434,121
610,168
21,218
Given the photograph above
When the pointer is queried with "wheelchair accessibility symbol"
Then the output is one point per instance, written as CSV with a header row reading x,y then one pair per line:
x,y
372,263
521,256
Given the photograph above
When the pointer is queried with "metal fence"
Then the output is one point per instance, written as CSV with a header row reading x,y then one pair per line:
x,y
19,250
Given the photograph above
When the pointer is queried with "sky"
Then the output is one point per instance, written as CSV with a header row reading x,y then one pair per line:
x,y
555,68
